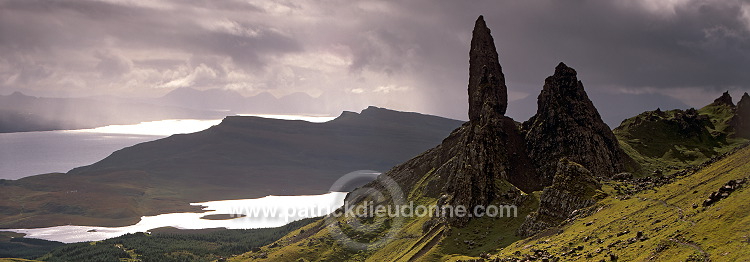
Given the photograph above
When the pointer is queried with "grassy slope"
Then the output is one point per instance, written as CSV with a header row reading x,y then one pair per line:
x,y
720,116
675,230
411,243
662,145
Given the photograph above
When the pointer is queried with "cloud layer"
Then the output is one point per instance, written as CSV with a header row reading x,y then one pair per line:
x,y
408,55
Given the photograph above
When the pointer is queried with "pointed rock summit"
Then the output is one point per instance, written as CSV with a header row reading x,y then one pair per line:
x,y
488,95
483,160
568,125
740,122
724,99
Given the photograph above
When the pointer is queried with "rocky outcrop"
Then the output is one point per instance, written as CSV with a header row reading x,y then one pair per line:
x,y
568,125
488,95
491,146
483,160
723,192
724,99
740,122
573,188
489,159
685,122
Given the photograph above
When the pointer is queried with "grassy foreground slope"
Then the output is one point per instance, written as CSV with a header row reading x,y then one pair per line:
x,y
416,239
674,224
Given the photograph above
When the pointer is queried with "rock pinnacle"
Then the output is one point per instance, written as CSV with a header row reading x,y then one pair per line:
x,y
488,95
568,125
724,99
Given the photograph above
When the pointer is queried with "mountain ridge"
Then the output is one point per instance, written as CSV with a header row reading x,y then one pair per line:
x,y
243,157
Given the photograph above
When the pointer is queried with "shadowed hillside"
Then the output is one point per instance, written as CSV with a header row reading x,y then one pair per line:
x,y
243,157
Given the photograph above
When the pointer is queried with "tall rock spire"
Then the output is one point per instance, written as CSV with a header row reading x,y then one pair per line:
x,y
484,160
568,125
488,94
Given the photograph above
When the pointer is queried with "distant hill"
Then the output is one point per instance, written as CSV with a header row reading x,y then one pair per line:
x,y
243,157
670,140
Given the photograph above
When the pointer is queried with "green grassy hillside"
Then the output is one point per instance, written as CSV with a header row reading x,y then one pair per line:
x,y
668,141
674,226
416,239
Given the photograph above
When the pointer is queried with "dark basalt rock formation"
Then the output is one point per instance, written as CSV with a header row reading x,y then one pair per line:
x,y
724,99
568,125
740,122
483,160
493,148
573,188
488,159
487,91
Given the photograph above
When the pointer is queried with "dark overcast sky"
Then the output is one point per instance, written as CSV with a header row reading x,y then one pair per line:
x,y
408,55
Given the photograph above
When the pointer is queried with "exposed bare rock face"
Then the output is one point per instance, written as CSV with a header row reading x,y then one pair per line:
x,y
740,122
724,99
489,160
493,147
573,188
483,160
487,91
568,125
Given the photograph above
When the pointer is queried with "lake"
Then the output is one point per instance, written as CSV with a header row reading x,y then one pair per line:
x,y
32,153
269,211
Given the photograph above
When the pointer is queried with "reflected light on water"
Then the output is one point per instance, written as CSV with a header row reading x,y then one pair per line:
x,y
308,118
155,128
265,212
185,126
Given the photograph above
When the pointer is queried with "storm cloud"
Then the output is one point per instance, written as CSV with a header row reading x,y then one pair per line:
x,y
407,55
